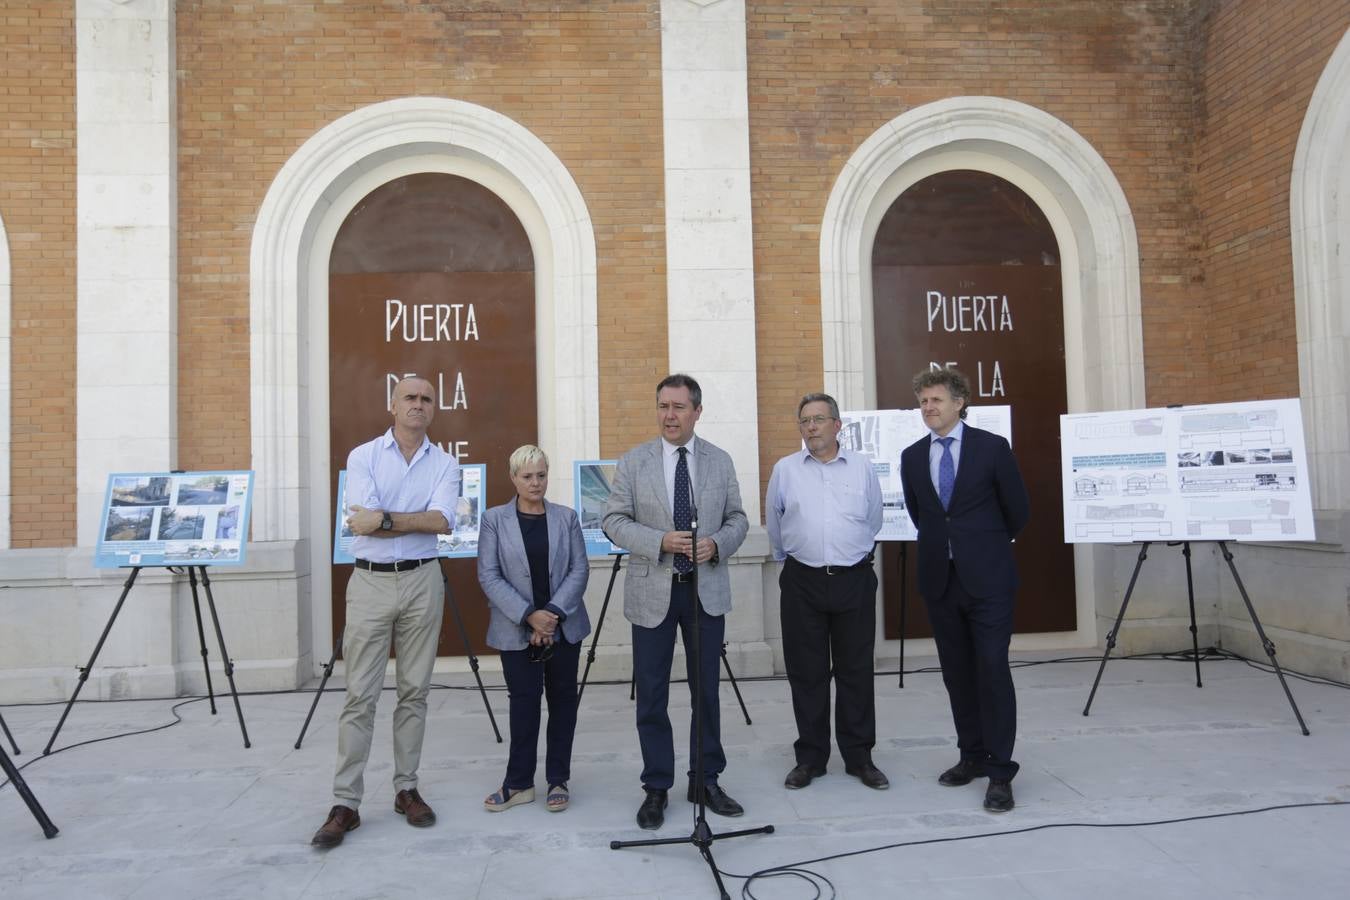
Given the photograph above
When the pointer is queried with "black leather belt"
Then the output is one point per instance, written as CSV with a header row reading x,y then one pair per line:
x,y
399,565
685,578
864,563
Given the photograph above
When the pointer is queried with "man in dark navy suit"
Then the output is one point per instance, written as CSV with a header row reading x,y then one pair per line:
x,y
967,500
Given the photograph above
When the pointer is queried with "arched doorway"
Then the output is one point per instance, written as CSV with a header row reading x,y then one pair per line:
x,y
966,273
433,274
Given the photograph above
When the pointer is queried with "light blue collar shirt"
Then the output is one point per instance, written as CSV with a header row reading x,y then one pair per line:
x,y
935,450
823,514
378,477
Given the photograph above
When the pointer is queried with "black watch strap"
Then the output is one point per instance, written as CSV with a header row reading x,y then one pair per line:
x,y
387,523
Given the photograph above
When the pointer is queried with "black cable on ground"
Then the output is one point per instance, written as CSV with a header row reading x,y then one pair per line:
x,y
798,870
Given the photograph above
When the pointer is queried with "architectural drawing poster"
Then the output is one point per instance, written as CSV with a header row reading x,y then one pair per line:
x,y
592,478
883,434
1217,472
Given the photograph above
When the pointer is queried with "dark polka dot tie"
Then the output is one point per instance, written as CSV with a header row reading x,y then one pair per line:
x,y
683,513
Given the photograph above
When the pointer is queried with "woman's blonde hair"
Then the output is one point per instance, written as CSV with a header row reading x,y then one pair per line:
x,y
526,455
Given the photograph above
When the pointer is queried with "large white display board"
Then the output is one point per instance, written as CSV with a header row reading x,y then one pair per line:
x,y
1222,471
883,434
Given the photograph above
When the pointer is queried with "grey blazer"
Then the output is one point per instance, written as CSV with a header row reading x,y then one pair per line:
x,y
504,573
638,514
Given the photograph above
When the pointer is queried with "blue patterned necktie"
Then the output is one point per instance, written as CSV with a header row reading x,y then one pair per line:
x,y
683,515
946,472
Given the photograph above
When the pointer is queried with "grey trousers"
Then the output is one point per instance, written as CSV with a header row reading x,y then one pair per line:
x,y
407,608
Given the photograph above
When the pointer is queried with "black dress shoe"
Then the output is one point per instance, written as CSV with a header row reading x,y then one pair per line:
x,y
651,814
869,775
801,776
998,797
717,800
964,772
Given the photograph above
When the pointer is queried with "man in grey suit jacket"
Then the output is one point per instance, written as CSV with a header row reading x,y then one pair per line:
x,y
648,515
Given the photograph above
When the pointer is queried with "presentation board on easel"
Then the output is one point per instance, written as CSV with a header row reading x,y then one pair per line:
x,y
174,519
462,541
883,434
1214,472
592,479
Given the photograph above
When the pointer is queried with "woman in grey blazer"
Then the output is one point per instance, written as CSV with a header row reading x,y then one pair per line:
x,y
532,565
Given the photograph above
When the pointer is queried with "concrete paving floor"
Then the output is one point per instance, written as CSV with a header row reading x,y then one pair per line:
x,y
188,812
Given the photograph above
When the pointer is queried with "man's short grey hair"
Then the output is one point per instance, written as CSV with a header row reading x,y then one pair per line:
x,y
680,380
819,398
956,383
526,455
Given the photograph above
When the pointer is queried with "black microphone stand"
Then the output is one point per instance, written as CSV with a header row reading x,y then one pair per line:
x,y
702,836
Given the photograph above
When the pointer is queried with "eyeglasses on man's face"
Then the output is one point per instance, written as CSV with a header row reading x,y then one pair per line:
x,y
806,421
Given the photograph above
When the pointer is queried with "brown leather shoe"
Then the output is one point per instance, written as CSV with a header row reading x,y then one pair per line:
x,y
411,805
341,819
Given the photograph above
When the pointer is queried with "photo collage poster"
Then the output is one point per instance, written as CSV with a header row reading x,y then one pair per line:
x,y
592,479
883,434
1215,472
462,541
174,519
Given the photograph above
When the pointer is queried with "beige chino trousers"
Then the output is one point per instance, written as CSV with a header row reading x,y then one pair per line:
x,y
406,607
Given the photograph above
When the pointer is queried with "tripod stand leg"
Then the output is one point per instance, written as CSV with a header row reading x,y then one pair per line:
x,y
1261,632
5,728
595,637
224,654
1190,597
1115,629
726,664
327,673
904,601
201,636
84,673
16,778
468,649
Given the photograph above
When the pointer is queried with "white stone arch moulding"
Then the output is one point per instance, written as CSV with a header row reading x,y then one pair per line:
x,y
297,222
1087,210
1319,225
5,314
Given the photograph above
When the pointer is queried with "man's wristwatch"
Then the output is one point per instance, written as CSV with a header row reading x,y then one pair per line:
x,y
387,523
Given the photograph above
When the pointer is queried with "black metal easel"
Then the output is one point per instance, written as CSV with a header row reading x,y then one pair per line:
x,y
468,649
632,682
1266,643
201,634
702,836
16,778
904,601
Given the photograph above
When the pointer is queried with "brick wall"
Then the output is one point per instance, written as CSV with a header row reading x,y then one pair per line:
x,y
1261,62
824,76
256,79
37,205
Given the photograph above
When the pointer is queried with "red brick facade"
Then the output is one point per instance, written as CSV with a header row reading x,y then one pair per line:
x,y
1195,106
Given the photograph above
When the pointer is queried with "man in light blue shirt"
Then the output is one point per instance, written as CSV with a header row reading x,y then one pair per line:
x,y
823,512
401,492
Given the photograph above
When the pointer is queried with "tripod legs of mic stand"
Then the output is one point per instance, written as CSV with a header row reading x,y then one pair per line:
x,y
702,836
904,601
1266,643
16,778
468,649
